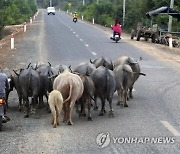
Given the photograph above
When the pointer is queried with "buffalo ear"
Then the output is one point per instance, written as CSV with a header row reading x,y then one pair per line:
x,y
87,73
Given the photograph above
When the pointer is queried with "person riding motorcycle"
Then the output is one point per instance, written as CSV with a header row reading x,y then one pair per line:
x,y
116,29
75,16
4,86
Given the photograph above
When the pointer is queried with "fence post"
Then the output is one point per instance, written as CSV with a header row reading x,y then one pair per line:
x,y
12,41
30,20
93,20
82,18
25,27
170,41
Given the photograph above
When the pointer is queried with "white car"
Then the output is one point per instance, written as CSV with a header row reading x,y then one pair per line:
x,y
50,10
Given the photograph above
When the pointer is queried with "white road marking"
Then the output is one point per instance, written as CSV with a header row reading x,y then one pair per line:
x,y
170,128
94,53
71,29
74,32
81,39
86,45
77,35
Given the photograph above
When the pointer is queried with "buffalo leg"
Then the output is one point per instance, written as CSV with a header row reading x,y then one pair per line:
x,y
95,103
111,114
20,103
70,109
89,110
27,108
102,107
125,97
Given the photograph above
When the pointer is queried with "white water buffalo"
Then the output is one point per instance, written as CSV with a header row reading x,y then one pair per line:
x,y
55,103
105,86
71,87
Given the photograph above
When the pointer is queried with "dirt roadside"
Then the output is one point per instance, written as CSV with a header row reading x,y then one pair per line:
x,y
161,52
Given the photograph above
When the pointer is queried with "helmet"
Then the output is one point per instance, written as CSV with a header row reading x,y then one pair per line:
x,y
75,12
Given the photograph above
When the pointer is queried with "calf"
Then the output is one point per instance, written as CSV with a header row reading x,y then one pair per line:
x,y
55,103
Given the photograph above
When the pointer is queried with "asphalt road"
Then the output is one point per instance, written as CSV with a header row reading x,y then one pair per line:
x,y
151,123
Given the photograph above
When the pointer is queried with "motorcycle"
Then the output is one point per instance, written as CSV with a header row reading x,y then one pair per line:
x,y
75,20
116,37
3,119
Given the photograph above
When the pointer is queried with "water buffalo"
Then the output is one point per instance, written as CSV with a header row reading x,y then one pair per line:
x,y
45,71
103,61
55,103
134,66
105,86
124,79
87,96
85,68
29,84
71,87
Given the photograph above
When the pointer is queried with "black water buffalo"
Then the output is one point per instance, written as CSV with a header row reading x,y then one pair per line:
x,y
134,66
85,68
105,85
124,80
45,71
87,96
29,84
103,61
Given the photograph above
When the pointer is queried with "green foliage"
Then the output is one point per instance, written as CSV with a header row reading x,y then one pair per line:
x,y
15,12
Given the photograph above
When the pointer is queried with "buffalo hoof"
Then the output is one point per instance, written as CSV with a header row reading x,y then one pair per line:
x,y
40,107
101,114
131,96
111,114
82,114
64,120
20,109
118,103
54,126
125,105
26,116
70,123
95,108
89,119
78,111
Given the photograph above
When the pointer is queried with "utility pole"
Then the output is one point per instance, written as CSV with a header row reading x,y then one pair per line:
x,y
50,3
124,11
83,2
170,17
97,1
